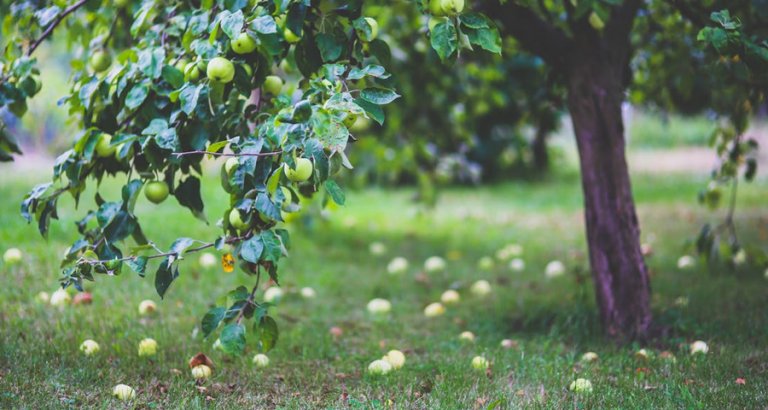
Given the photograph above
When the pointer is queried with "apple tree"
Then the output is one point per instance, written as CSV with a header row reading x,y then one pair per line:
x,y
159,86
598,47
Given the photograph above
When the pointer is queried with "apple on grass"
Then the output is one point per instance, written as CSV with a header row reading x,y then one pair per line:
x,y
377,248
273,294
379,306
434,264
379,368
480,288
83,298
89,347
261,360
480,363
699,347
397,266
12,256
207,260
147,347
147,307
395,358
434,309
554,269
450,297
43,297
308,293
589,357
60,298
467,337
201,372
517,265
124,392
581,386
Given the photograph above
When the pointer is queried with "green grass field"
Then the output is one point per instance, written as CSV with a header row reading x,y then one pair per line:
x,y
553,321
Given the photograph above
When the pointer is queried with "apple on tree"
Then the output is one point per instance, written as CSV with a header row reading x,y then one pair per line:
x,y
100,61
244,44
301,173
272,86
103,146
156,191
221,70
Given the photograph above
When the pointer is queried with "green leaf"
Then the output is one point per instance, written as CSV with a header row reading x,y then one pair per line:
x,y
474,19
174,77
211,320
151,62
487,38
371,70
272,248
268,333
251,249
233,339
137,95
232,23
179,246
120,227
266,207
139,265
373,110
131,194
330,47
378,95
444,39
264,25
188,195
165,274
189,96
156,126
336,193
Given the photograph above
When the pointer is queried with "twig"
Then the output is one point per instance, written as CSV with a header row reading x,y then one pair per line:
x,y
53,25
252,297
164,254
223,154
55,194
112,28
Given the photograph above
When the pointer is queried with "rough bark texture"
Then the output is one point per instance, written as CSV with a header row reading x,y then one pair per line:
x,y
539,150
622,286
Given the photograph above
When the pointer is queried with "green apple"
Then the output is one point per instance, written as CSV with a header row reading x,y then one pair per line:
x,y
434,21
147,347
123,392
201,372
89,347
122,3
38,83
302,172
596,22
181,65
119,149
202,65
261,360
374,29
395,358
288,197
290,37
193,75
12,256
248,70
103,146
221,70
272,86
349,120
156,191
100,61
147,307
452,7
480,363
244,44
436,8
379,367
236,220
581,386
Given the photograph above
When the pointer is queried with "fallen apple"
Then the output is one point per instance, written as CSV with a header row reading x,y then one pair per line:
x,y
641,355
147,347
12,256
450,297
485,263
379,306
397,266
589,357
124,392
377,248
89,347
208,260
60,298
201,372
261,360
147,307
480,288
686,262
581,386
434,309
699,347
83,298
379,367
467,337
273,294
43,297
434,264
308,293
517,265
508,344
554,269
480,363
395,358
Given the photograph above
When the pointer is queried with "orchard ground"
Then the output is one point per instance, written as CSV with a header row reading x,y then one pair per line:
x,y
552,321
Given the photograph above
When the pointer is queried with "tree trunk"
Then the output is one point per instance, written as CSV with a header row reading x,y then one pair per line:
x,y
539,150
622,286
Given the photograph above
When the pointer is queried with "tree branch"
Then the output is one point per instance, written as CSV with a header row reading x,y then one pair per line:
x,y
252,297
223,154
53,25
621,23
531,31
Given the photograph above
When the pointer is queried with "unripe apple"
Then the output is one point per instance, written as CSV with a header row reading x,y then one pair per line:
x,y
302,172
434,21
156,191
434,309
147,347
480,288
666,355
290,37
581,386
43,297
244,44
60,298
248,70
272,86
681,301
12,256
480,363
181,65
349,120
261,360
207,260
434,264
236,220
554,269
308,293
273,294
123,392
397,266
122,3
202,65
89,347
288,197
436,8
221,70
452,7
450,297
103,147
100,61
379,306
467,337
119,149
596,22
201,372
38,83
517,265
147,307
379,368
374,29
395,358
193,75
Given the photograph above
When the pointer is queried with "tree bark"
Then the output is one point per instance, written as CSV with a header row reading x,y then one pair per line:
x,y
539,150
622,286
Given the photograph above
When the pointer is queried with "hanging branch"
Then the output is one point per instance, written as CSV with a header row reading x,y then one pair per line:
x,y
53,25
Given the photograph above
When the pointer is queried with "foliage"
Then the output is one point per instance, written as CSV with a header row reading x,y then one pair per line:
x,y
189,80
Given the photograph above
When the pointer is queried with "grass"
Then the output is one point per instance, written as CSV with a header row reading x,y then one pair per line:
x,y
653,131
553,321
